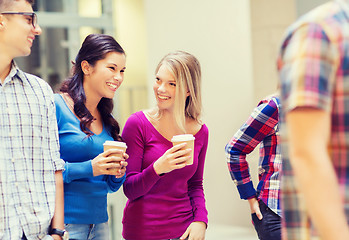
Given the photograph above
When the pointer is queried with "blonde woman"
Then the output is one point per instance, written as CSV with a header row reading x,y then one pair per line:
x,y
165,195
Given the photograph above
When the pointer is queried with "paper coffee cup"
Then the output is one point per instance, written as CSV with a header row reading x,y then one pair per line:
x,y
187,138
115,144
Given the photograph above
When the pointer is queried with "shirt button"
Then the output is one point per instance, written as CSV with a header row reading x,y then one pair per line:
x,y
41,236
16,184
13,160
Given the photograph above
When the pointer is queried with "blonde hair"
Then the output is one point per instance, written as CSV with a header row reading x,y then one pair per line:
x,y
186,70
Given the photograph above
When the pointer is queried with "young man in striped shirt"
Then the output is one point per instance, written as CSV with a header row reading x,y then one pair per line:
x,y
31,185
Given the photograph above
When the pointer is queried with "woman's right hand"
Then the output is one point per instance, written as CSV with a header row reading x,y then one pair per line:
x,y
104,164
173,158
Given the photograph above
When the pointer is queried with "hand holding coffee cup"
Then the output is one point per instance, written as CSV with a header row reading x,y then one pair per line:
x,y
111,161
189,140
117,157
174,158
104,164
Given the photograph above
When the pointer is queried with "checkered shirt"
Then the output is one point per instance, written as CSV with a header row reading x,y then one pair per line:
x,y
260,128
314,72
29,156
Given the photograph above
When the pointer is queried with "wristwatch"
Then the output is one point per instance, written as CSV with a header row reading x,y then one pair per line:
x,y
63,233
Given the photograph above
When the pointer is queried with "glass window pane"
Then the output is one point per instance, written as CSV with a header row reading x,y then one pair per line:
x,y
49,58
48,5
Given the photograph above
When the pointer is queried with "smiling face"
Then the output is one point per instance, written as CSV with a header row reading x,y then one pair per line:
x,y
105,77
165,89
17,31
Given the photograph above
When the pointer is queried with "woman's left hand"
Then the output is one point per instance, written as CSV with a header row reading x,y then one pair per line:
x,y
195,231
123,164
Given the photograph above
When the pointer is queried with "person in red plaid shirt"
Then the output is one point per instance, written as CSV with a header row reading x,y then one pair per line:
x,y
260,128
314,72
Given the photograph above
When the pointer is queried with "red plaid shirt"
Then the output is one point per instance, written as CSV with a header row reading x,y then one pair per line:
x,y
261,127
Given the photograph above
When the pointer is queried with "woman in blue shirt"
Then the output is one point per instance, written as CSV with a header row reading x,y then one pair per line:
x,y
85,122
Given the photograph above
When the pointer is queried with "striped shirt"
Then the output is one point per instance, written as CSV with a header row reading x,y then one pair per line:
x,y
260,128
29,156
314,72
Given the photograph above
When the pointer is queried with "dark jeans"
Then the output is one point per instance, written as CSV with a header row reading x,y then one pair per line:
x,y
269,228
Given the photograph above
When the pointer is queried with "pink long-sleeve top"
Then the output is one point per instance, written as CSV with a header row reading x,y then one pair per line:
x,y
160,207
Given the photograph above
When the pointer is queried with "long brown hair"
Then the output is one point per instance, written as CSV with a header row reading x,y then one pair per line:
x,y
94,48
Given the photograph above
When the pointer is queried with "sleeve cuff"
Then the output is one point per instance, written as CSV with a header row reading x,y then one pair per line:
x,y
118,180
114,183
246,190
77,170
152,174
59,165
202,218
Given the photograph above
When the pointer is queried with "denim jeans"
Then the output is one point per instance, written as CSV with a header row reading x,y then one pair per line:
x,y
269,228
98,231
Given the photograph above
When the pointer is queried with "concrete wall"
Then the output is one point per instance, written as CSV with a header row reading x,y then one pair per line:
x,y
269,20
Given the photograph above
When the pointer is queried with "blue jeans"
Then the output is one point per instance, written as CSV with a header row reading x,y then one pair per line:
x,y
98,231
269,228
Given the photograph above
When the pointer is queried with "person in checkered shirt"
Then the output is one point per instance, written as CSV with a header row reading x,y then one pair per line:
x,y
260,128
31,182
314,73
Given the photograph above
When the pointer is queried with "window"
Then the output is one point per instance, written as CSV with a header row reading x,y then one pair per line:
x,y
65,24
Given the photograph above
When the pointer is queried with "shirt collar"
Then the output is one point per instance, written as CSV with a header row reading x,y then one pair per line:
x,y
15,73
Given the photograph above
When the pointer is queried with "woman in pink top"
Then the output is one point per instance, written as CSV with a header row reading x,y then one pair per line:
x,y
166,197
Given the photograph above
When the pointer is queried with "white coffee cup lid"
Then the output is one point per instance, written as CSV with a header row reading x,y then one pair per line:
x,y
182,137
115,143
